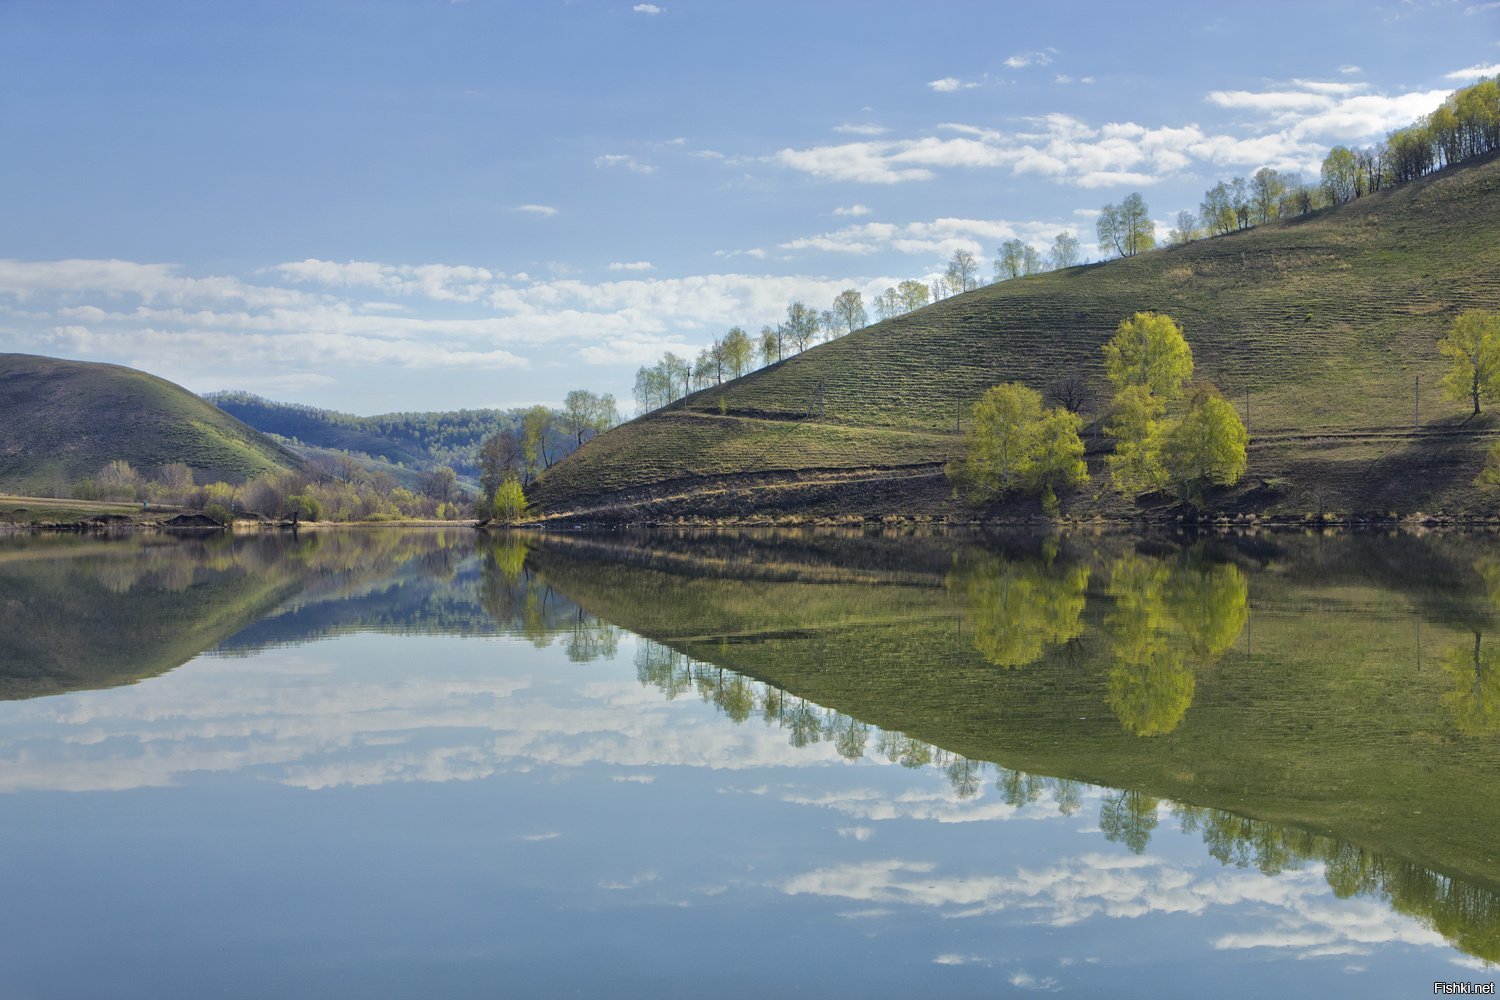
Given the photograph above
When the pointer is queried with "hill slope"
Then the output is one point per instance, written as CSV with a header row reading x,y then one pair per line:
x,y
413,440
1326,321
61,421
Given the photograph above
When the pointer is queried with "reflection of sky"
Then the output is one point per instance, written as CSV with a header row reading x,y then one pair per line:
x,y
436,816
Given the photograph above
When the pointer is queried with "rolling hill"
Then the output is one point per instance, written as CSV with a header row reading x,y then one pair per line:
x,y
61,421
1326,326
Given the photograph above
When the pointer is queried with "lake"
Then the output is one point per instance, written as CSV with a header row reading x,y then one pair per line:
x,y
438,763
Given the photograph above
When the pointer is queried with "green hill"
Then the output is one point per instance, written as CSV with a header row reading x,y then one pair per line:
x,y
61,421
415,441
1326,321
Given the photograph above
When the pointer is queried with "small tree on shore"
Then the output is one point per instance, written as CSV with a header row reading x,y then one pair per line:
x,y
1016,445
1473,344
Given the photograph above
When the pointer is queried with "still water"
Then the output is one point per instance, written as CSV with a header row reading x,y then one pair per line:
x,y
439,764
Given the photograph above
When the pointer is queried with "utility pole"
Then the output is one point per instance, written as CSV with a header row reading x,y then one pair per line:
x,y
1416,405
1247,412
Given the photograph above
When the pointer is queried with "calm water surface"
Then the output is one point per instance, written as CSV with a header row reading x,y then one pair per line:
x,y
430,764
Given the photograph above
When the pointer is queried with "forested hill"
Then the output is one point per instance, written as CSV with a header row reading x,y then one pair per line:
x,y
414,440
1321,325
62,421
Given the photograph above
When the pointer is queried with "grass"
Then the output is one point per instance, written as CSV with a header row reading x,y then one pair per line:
x,y
1326,321
61,421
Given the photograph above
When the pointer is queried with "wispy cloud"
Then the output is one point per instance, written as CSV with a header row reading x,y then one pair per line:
x,y
537,209
1474,72
635,265
854,211
625,161
861,128
949,84
1285,127
648,8
1023,59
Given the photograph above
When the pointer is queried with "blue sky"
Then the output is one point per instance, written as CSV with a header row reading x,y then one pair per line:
x,y
426,204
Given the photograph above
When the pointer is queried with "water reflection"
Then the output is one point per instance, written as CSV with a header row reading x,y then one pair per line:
x,y
1096,677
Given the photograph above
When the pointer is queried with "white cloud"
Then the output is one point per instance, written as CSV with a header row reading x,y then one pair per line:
x,y
854,211
1474,72
939,237
648,8
950,84
1286,127
623,160
1480,8
1023,59
634,265
537,209
861,128
1349,69
213,330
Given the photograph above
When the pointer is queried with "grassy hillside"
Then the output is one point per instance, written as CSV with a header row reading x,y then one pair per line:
x,y
60,421
1326,321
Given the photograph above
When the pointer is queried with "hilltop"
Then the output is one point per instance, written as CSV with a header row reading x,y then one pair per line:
x,y
1323,325
61,421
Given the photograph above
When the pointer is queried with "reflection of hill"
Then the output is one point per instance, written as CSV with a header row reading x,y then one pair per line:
x,y
1185,674
102,614
83,613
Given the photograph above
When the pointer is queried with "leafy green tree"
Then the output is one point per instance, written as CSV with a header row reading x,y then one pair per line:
x,y
1266,191
1149,349
1217,210
849,308
1013,444
739,352
586,412
1473,344
535,425
801,326
1127,227
508,505
963,271
770,345
1205,446
1184,230
914,294
1064,251
1011,261
1135,425
1340,174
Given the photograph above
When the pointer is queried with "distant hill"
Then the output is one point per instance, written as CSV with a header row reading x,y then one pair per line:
x,y
414,440
1326,321
61,421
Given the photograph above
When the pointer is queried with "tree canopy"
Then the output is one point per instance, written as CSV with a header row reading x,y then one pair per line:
x,y
1014,444
1473,345
1148,349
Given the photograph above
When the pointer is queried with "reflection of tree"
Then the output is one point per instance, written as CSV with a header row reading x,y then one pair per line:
x,y
1474,700
1150,698
1019,608
1067,795
1017,788
591,639
964,775
1128,819
1164,612
850,737
804,725
898,748
664,668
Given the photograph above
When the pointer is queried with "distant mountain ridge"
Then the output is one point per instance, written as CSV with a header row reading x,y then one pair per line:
x,y
62,421
417,440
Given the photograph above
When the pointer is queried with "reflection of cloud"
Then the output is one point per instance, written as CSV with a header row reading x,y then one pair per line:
x,y
300,722
860,833
920,804
1305,920
634,882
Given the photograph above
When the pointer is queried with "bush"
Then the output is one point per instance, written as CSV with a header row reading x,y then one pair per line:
x,y
509,502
